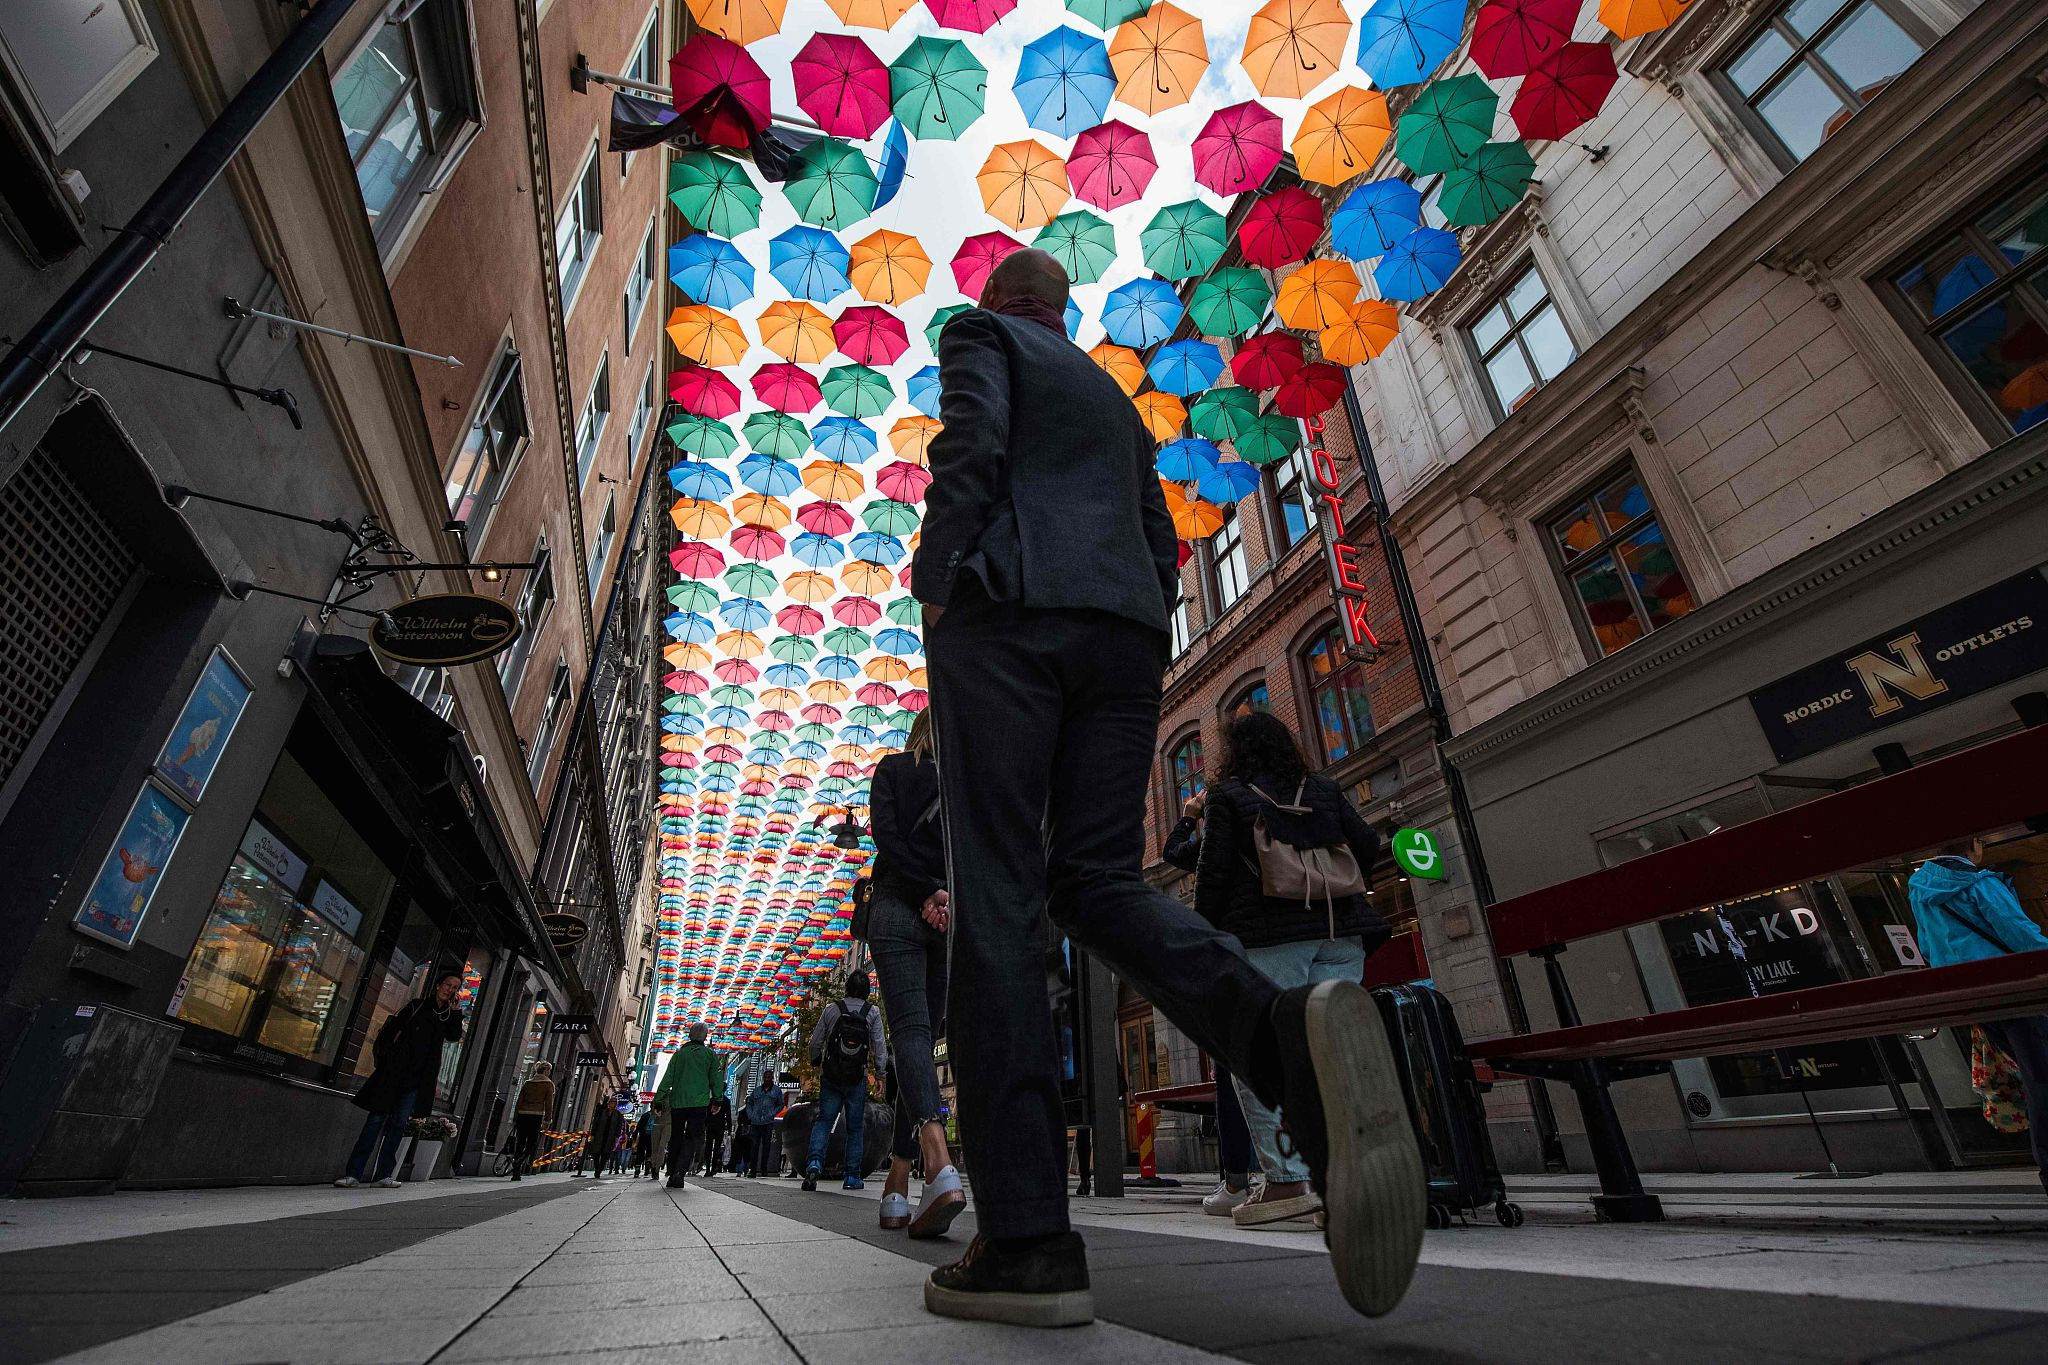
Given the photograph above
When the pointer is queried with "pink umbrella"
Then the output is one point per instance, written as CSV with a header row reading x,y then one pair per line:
x,y
1111,164
798,619
824,518
876,694
707,393
821,713
757,542
692,683
842,84
720,91
969,16
903,481
857,611
786,388
695,559
1237,148
870,335
914,699
977,256
736,671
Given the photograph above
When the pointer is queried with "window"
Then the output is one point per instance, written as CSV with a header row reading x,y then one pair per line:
x,y
1336,694
1521,341
640,286
647,65
1179,630
1228,577
70,63
536,599
1815,63
644,407
1979,299
579,229
484,465
550,723
601,547
1294,508
405,103
1619,571
1184,765
590,424
1253,698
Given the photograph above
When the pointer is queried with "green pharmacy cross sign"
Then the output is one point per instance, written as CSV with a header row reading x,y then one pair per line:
x,y
1417,852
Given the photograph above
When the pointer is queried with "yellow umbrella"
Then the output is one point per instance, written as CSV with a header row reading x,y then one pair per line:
x,y
797,331
886,668
1164,414
808,767
1362,333
700,520
740,644
707,336
866,577
808,585
1293,46
829,690
1158,58
687,656
881,14
740,21
1318,295
888,267
759,509
1120,363
1627,19
1341,135
912,438
1192,518
832,481
1023,184
780,698
681,744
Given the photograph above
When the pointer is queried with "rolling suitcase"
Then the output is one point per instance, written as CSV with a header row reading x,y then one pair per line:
x,y
1444,1101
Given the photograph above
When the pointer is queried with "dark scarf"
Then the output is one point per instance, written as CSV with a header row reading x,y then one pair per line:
x,y
1034,310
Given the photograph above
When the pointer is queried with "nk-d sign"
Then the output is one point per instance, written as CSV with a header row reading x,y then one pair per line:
x,y
444,630
1985,639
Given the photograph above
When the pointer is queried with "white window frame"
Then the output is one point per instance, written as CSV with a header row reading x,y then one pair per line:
x,y
579,228
506,378
646,66
641,284
1230,568
601,547
1180,631
645,405
545,734
594,418
1477,354
30,38
536,604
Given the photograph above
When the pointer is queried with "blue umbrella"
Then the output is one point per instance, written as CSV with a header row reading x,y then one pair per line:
x,y
786,675
1373,217
711,270
877,548
897,640
691,628
1141,313
734,716
1230,481
1187,459
694,479
809,749
766,474
744,613
893,739
810,263
1073,318
845,439
814,551
895,159
923,387
1064,82
1418,264
1401,41
838,667
1185,367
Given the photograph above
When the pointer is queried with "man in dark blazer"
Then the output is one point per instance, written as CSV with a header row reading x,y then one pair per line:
x,y
1048,568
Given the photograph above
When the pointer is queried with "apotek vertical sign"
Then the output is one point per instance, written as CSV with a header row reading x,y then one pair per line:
x,y
1347,576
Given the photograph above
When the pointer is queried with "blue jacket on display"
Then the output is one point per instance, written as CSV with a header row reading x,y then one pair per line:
x,y
1967,913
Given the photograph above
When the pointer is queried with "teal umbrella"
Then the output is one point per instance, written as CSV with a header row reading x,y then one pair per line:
x,y
1492,181
857,391
1448,122
1184,239
714,193
1107,14
940,317
1225,414
889,517
1084,243
749,579
831,184
705,437
1230,301
1271,439
776,433
937,88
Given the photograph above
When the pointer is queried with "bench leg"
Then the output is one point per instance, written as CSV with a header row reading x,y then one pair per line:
x,y
1622,1198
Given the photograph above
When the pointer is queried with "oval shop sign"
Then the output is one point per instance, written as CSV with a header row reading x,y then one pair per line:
x,y
448,629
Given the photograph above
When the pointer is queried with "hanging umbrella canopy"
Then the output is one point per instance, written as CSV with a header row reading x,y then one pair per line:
x,y
1164,414
845,439
1193,518
1401,41
1107,14
1121,364
1111,164
888,267
703,437
797,331
937,88
1187,459
1184,239
1186,367
903,481
1082,242
1237,148
1229,481
777,434
1293,46
977,256
969,16
842,84
1511,37
871,336
1565,91
758,509
1141,313
707,336
1492,181
1159,58
1023,184
895,161
699,520
922,389
1341,134
942,316
705,393
1316,295
857,391
1450,120
881,14
786,388
1373,217
1627,19
1418,264
711,270
720,91
911,438
739,21
1311,390
831,184
834,481
1224,414
1271,439
767,473
1230,301
1280,228
1064,82
695,559
1362,334
693,479
809,262
714,193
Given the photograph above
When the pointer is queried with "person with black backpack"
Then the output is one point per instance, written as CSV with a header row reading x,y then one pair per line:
x,y
1284,866
845,1044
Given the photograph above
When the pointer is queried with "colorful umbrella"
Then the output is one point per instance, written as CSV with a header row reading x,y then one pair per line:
x,y
786,388
693,479
1187,459
1293,46
1341,135
1237,148
1184,239
714,193
1266,360
1082,242
1401,41
796,330
922,389
1316,295
895,161
830,184
1272,438
1064,82
911,438
857,391
1565,91
1373,217
1230,301
706,393
837,483
889,517
758,509
809,262
937,87
1186,367
1158,57
940,317
694,559
1280,228
720,91
1120,363
1111,164
740,21
888,267
704,437
1511,37
842,84
1418,264
777,434
977,256
1023,184
845,439
711,270
771,473
1491,182
969,16
1627,19
1311,390
903,481
1224,414
1193,519
1229,481
872,336
1449,120
1164,414
881,14
707,336
1362,334
1107,14
1143,312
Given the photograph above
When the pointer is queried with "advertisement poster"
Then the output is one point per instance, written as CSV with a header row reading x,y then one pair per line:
x,y
127,880
196,741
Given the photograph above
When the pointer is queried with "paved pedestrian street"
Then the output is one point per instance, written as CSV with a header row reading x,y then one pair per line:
x,y
557,1271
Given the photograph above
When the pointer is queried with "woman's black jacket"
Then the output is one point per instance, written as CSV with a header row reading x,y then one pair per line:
x,y
1228,892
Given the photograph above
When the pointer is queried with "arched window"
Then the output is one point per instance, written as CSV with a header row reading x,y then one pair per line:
x,y
1336,696
1252,698
1184,765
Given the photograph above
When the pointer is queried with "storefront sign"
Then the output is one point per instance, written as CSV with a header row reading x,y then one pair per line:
x,y
1987,638
337,908
572,1023
127,880
203,727
439,632
268,852
564,929
1416,851
1347,575
590,1059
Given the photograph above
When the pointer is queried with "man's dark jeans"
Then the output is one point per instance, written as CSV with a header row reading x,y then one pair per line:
x,y
1047,722
910,965
685,1134
381,1135
853,1099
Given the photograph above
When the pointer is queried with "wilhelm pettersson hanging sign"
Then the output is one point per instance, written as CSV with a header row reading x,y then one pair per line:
x,y
445,630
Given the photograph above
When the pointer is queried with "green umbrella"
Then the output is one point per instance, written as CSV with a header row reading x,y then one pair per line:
x,y
1225,414
694,595
936,87
868,715
749,579
729,694
1084,244
1230,301
776,433
1107,14
907,611
889,517
714,194
1490,183
831,184
857,391
940,317
685,706
705,437
1271,439
792,649
846,640
1448,122
814,732
1184,239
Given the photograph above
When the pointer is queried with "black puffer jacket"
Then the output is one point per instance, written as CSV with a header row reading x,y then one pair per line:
x,y
1227,886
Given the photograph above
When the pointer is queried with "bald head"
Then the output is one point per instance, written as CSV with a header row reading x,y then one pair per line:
x,y
1026,274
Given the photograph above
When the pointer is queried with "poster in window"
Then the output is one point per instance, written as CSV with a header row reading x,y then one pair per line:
x,y
204,726
114,908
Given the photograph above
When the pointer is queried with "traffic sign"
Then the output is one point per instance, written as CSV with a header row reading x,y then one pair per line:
x,y
1417,853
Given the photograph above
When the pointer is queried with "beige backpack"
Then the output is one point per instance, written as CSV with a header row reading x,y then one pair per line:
x,y
1287,872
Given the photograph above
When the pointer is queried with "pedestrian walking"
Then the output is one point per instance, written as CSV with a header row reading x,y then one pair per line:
x,y
604,1136
907,920
408,1061
657,1146
716,1122
1048,570
643,1143
529,1114
742,1143
694,1077
1265,808
845,1043
762,1108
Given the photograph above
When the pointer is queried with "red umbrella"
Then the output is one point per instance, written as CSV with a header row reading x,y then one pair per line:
x,y
796,618
1281,227
1565,90
821,713
1237,148
757,542
695,559
786,388
914,699
876,694
1510,37
1111,164
903,481
825,518
1311,390
707,393
870,335
720,91
735,671
856,611
1267,360
842,84
969,16
977,256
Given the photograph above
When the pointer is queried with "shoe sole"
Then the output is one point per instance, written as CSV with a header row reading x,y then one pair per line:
x,y
1375,1186
1279,1211
1072,1308
934,1221
894,1224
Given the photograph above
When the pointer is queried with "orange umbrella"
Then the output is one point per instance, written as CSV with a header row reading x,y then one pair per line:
x,y
866,577
833,481
1627,19
2027,389
1341,134
1362,333
797,331
740,21
687,656
1192,518
808,585
1164,414
1023,184
888,267
886,668
1317,295
881,14
1158,58
740,644
758,509
707,336
912,438
828,690
700,520
1120,363
1293,46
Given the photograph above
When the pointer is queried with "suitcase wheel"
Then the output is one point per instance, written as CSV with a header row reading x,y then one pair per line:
x,y
1508,1215
1438,1216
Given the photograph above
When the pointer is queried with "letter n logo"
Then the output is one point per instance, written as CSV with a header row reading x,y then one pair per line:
x,y
1908,673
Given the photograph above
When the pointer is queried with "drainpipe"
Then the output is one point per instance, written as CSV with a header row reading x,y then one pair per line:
x,y
60,331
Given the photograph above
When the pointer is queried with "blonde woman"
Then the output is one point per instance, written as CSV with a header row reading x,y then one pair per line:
x,y
529,1113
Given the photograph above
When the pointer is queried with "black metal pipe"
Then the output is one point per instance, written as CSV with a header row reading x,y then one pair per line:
x,y
43,350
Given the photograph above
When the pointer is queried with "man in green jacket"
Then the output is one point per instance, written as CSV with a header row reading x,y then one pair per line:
x,y
695,1077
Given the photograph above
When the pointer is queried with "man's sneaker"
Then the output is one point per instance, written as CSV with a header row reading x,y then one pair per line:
x,y
347,1182
940,1204
1044,1284
389,1182
895,1212
1219,1202
1342,1107
853,1182
1271,1203
811,1176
